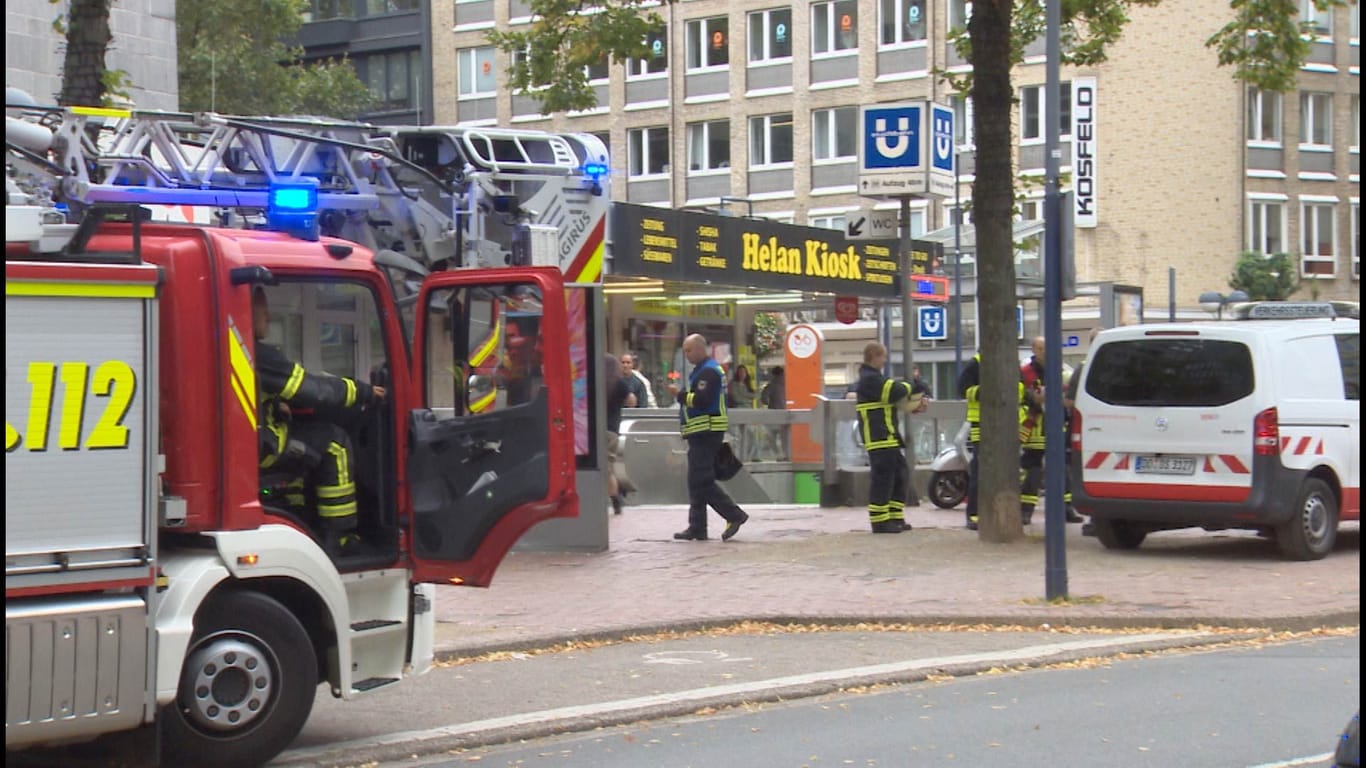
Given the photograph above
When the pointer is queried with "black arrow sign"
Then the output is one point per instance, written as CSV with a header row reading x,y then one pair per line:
x,y
856,227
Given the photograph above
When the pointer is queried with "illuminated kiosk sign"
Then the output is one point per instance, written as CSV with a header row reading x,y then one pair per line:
x,y
690,246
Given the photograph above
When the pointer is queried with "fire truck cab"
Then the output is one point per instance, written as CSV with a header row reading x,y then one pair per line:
x,y
152,573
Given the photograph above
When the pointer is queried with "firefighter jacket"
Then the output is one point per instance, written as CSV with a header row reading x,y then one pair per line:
x,y
877,399
283,381
703,403
1031,405
969,386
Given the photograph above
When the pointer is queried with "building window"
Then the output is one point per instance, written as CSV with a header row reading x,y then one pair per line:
x,y
901,21
708,42
834,26
601,72
1266,227
1263,116
322,10
770,35
1031,209
1032,111
391,78
1316,119
657,62
834,133
770,140
1356,240
382,7
478,77
1318,239
829,222
1320,21
709,145
960,11
647,151
1356,122
964,135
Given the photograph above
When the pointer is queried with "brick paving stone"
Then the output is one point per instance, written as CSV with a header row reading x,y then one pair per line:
x,y
795,562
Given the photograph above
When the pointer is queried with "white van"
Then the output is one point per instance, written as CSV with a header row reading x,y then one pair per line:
x,y
1252,423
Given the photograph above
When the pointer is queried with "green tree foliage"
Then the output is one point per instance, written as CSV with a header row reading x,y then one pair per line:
x,y
550,54
235,59
1265,277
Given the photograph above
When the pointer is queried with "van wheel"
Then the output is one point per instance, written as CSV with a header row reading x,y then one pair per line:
x,y
1310,532
246,687
1118,534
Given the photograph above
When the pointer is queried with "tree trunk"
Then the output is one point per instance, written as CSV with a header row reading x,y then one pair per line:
x,y
87,39
998,496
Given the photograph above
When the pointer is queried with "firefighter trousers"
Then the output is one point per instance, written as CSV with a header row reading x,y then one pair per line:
x,y
887,482
321,471
1031,480
971,508
703,490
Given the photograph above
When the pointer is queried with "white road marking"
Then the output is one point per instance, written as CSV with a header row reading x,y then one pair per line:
x,y
1031,653
1294,761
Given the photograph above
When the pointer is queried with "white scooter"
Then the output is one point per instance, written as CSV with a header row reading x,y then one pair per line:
x,y
949,472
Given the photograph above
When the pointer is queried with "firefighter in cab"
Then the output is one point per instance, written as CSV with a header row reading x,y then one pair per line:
x,y
879,398
315,454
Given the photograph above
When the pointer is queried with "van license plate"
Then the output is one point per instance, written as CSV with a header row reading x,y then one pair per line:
x,y
1165,465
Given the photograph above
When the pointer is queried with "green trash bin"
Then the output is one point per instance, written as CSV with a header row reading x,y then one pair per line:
x,y
806,488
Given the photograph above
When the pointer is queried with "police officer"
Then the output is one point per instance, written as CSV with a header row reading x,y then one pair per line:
x,y
878,397
702,415
969,386
314,449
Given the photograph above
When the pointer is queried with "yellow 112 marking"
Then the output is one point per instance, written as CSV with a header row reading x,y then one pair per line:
x,y
113,379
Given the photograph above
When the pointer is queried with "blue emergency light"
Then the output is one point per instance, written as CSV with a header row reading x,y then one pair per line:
x,y
293,207
595,171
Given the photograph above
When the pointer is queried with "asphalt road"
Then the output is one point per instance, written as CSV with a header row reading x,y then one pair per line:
x,y
1258,705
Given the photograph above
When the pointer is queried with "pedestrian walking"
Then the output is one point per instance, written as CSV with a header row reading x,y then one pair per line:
x,y
774,397
619,396
637,381
879,398
702,416
740,389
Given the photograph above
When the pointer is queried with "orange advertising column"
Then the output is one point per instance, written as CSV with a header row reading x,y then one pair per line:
x,y
805,367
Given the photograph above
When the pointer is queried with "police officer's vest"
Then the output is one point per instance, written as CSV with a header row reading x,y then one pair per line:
x,y
713,418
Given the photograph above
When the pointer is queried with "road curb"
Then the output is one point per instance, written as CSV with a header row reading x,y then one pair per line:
x,y
407,746
1055,620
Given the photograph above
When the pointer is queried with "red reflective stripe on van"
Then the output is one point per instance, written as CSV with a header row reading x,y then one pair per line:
x,y
1351,504
1097,459
1154,492
1123,462
1318,449
1234,464
1285,441
1303,446
1209,465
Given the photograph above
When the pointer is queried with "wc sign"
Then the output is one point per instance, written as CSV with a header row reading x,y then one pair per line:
x,y
933,323
906,149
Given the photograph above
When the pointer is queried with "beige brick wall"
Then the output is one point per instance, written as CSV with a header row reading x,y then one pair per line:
x,y
1170,135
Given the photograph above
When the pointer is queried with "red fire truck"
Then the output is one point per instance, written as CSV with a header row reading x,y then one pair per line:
x,y
151,577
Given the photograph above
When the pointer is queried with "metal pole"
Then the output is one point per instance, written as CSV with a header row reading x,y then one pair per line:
x,y
907,313
1171,295
1055,518
957,275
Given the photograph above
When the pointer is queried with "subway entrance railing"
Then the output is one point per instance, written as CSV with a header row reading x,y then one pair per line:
x,y
656,456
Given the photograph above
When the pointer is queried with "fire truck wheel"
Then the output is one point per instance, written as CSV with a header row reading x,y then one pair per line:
x,y
1312,528
246,688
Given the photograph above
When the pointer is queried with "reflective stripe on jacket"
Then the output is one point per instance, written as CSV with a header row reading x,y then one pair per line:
x,y
877,397
704,403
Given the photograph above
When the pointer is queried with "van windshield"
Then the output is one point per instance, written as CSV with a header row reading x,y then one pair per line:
x,y
1195,373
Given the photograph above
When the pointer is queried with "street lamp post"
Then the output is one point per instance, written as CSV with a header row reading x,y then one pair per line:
x,y
1214,301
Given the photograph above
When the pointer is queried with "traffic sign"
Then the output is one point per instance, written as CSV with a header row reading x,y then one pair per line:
x,y
929,288
870,224
933,323
906,149
846,309
1019,321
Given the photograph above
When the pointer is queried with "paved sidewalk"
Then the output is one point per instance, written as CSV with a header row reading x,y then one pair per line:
x,y
804,563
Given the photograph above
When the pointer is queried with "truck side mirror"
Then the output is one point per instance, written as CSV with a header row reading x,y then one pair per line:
x,y
251,276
